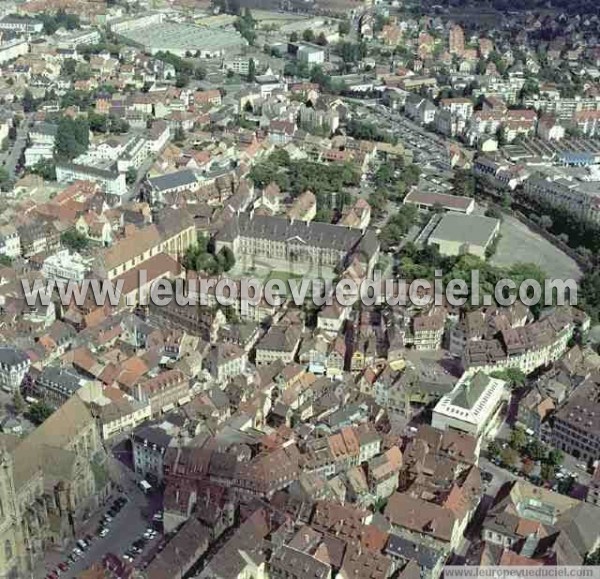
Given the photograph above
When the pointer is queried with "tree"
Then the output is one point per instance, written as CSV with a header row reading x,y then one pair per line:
x,y
199,72
131,176
226,259
179,135
464,183
251,71
344,28
74,240
546,221
527,467
547,472
493,449
4,176
29,104
593,558
46,169
18,402
322,39
518,439
38,412
398,225
72,138
555,457
535,450
494,212
509,457
308,35
294,36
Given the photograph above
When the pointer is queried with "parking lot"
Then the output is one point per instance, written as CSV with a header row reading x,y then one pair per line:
x,y
519,244
128,525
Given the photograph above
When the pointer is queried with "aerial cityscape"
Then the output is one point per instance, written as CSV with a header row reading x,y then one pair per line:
x,y
299,289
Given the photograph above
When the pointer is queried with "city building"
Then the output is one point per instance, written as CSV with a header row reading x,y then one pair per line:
x,y
459,234
51,480
430,201
285,243
473,406
149,445
105,173
13,49
20,24
456,40
527,348
14,365
579,198
576,423
66,266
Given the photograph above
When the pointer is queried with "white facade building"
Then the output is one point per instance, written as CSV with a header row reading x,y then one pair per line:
x,y
14,365
65,266
472,406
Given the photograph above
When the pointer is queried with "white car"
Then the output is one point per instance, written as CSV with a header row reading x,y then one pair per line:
x,y
104,532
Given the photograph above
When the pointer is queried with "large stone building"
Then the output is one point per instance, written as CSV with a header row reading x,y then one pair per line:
x,y
49,481
278,241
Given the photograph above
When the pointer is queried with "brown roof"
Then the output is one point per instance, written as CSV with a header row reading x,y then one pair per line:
x,y
415,514
447,201
159,266
132,245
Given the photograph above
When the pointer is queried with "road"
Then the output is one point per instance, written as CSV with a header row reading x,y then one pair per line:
x,y
10,158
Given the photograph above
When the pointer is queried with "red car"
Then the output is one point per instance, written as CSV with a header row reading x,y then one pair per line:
x,y
63,566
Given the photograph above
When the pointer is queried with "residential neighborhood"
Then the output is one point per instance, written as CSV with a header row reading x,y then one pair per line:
x,y
299,290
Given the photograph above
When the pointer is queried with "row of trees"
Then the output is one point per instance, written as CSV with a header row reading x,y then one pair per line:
x,y
329,183
527,451
72,138
184,69
107,123
60,19
309,36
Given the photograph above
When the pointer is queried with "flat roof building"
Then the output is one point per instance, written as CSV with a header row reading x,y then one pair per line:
x,y
181,38
457,234
472,406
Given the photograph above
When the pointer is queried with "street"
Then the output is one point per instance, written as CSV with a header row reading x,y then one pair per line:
x,y
10,158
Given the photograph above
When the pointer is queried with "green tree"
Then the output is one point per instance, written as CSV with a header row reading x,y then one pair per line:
x,y
225,259
38,412
251,71
493,449
18,402
308,35
555,457
131,176
464,183
179,135
4,176
74,240
509,457
593,558
547,472
72,138
28,102
344,28
398,225
294,36
46,169
518,439
321,39
535,450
